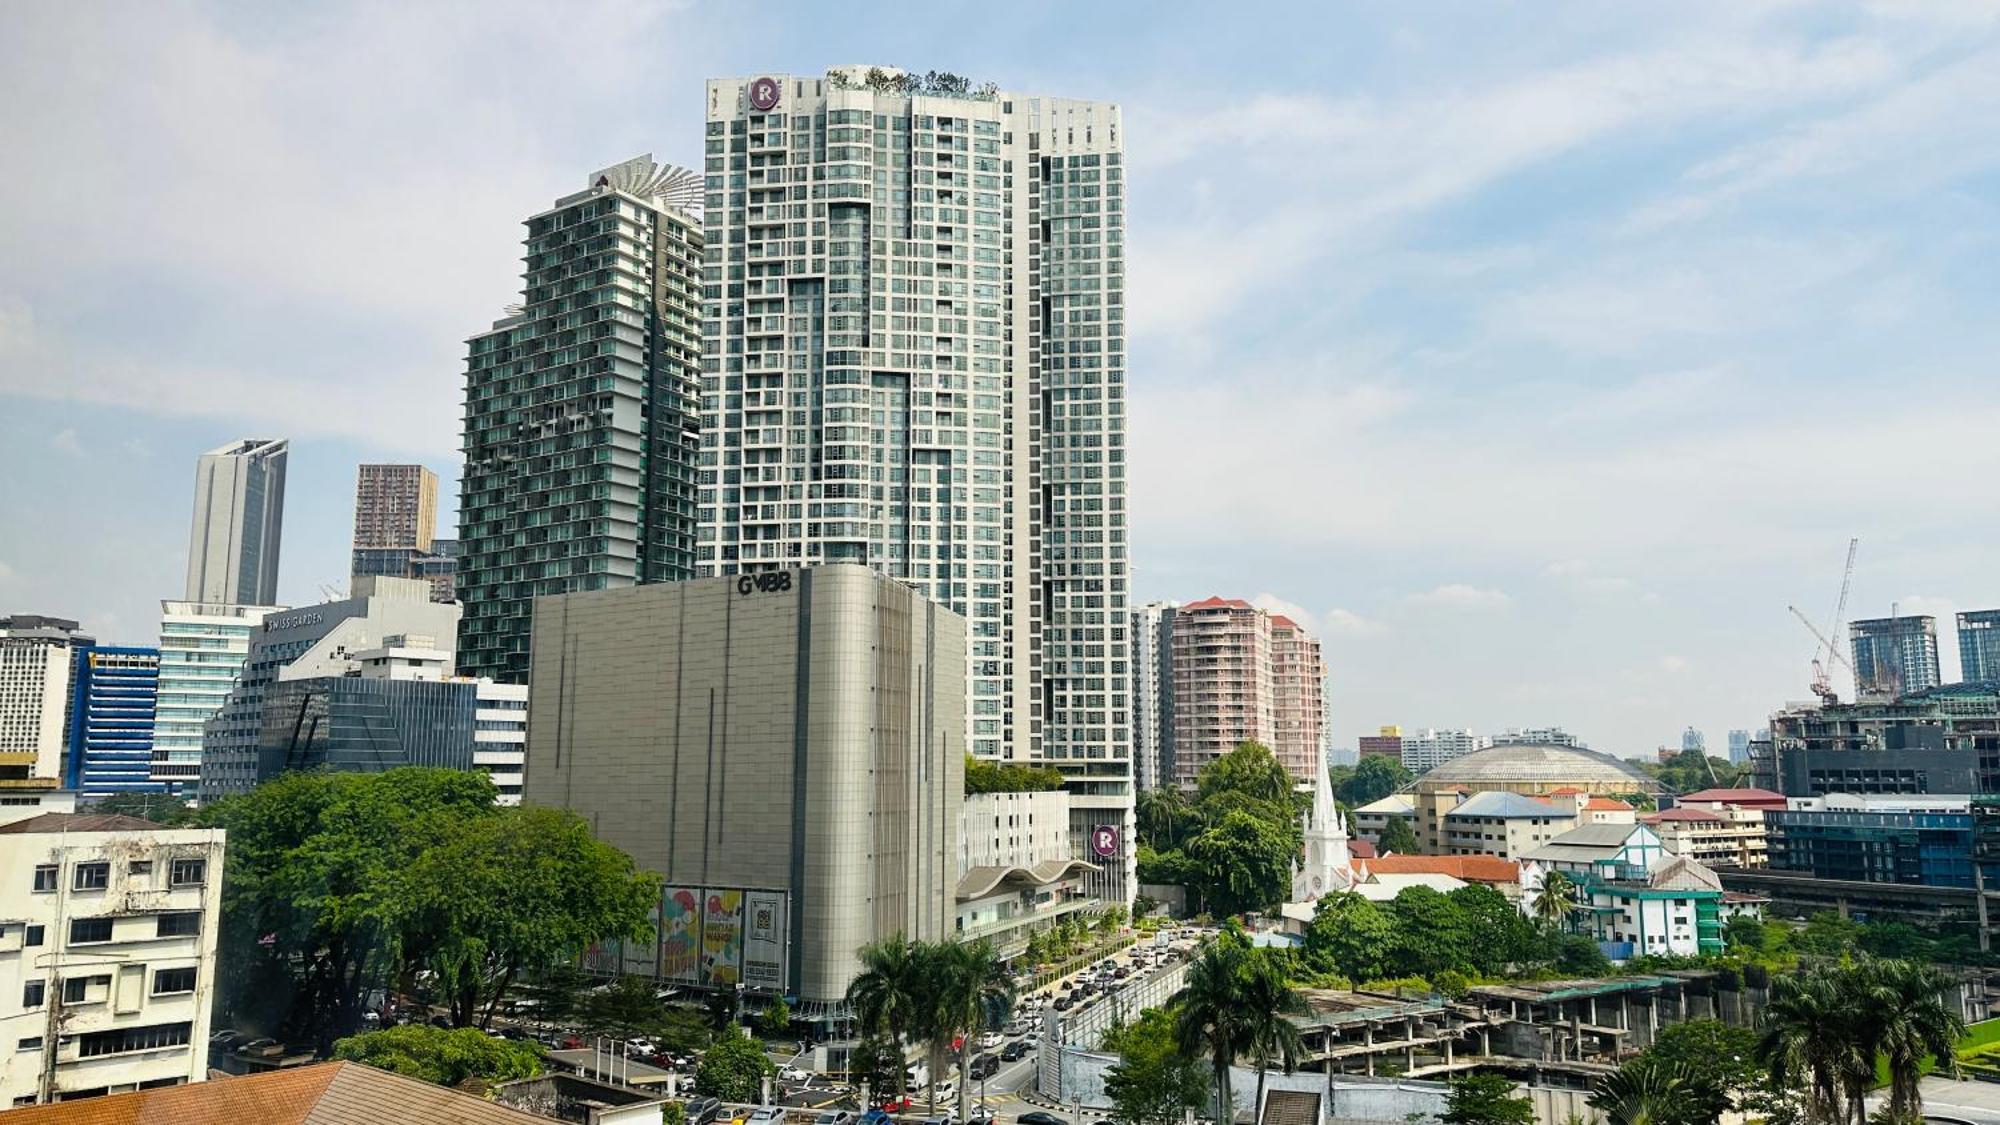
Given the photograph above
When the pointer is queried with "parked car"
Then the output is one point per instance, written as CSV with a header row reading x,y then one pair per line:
x,y
992,1039
981,1115
1040,1117
834,1117
876,1116
261,1048
766,1115
701,1111
225,1039
1015,1050
794,1074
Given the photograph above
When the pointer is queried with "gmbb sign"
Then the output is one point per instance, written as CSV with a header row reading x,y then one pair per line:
x,y
1104,841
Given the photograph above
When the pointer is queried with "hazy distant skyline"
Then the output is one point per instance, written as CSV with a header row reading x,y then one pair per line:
x,y
1535,356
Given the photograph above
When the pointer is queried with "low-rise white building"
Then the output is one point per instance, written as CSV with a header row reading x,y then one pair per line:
x,y
1017,870
108,927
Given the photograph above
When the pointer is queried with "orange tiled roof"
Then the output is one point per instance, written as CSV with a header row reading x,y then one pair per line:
x,y
1471,868
330,1093
1606,804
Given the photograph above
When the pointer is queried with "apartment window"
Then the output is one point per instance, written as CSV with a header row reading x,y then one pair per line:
x,y
187,873
92,876
139,867
31,1043
45,877
77,990
33,993
35,935
178,925
82,930
121,1040
169,981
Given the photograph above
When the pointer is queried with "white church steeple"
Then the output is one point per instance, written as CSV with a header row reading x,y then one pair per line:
x,y
1327,867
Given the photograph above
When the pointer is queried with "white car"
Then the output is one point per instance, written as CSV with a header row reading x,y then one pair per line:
x,y
992,1039
794,1074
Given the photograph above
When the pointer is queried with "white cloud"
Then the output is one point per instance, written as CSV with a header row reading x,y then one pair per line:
x,y
1458,595
1347,623
65,441
1272,603
1674,665
6,572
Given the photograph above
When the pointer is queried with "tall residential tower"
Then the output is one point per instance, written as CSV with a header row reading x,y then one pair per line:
x,y
239,516
580,412
1894,655
914,359
1979,645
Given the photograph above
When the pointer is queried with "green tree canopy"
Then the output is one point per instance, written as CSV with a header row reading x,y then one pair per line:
x,y
1351,936
983,776
520,891
1397,838
1373,779
1486,1099
1153,1082
1433,932
160,808
1245,863
733,1068
1250,770
446,1057
1709,1061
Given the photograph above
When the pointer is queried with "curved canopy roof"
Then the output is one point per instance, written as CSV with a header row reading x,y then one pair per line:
x,y
983,881
1536,765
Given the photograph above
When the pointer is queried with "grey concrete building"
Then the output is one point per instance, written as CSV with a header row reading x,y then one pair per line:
x,y
786,749
239,517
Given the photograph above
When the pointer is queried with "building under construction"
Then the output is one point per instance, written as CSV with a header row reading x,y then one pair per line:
x,y
1940,740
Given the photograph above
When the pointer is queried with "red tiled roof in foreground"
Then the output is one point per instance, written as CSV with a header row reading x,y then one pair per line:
x,y
1471,868
1735,797
329,1093
1361,849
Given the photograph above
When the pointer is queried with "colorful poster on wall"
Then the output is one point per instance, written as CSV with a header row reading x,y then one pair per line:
x,y
722,939
680,935
601,957
764,940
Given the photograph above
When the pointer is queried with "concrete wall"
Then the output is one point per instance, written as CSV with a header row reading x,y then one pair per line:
x,y
806,734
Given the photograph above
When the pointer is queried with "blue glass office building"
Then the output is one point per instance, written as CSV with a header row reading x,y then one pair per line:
x,y
115,692
1929,848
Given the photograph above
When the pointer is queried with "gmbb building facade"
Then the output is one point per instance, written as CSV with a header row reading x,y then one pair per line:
x,y
786,749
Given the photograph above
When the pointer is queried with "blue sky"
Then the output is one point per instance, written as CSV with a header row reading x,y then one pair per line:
x,y
1538,355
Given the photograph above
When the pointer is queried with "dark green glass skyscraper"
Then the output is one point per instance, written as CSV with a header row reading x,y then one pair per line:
x,y
581,412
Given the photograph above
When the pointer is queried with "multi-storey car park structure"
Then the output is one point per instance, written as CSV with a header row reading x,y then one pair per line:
x,y
914,359
580,418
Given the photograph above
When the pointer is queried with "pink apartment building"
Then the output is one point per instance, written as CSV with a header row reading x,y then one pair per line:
x,y
1241,674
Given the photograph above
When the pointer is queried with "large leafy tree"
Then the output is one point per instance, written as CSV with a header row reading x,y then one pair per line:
x,y
1165,817
1251,771
1486,1099
1907,1022
733,1068
519,892
1505,936
1245,862
317,894
1208,1012
446,1057
1433,933
1397,838
1350,936
1808,1042
1153,1082
1373,779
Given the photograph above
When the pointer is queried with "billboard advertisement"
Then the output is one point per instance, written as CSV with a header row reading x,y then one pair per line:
x,y
764,940
680,935
722,938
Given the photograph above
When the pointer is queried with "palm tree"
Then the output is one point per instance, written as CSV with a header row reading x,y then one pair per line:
x,y
1639,1093
1807,1044
1556,901
1267,998
1208,1014
887,995
1907,1021
976,994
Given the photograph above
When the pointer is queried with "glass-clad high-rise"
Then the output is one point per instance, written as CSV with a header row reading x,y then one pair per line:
x,y
580,422
239,518
914,358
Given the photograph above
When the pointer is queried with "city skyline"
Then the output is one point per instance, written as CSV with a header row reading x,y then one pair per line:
x,y
1624,480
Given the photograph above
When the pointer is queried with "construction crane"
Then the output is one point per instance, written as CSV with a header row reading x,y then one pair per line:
x,y
1821,686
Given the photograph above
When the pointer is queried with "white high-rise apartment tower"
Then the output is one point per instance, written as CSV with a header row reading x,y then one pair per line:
x,y
914,358
239,516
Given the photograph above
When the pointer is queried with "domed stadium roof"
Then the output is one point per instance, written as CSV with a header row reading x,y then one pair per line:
x,y
1537,766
